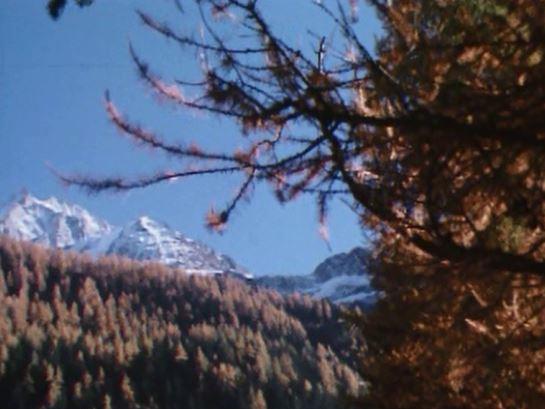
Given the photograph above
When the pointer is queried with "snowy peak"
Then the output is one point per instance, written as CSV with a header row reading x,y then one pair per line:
x,y
52,223
147,239
354,262
344,279
341,278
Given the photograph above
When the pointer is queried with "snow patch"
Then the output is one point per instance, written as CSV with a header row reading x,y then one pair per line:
x,y
339,286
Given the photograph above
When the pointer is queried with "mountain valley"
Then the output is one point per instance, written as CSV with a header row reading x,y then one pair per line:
x,y
53,223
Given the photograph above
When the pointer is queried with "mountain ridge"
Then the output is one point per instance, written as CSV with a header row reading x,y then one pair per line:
x,y
342,278
58,224
52,223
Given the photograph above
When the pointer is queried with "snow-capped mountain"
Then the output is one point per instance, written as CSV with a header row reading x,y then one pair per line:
x,y
146,239
342,278
54,223
353,263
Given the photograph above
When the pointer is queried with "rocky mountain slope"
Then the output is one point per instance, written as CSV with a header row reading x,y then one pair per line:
x,y
341,278
54,223
146,239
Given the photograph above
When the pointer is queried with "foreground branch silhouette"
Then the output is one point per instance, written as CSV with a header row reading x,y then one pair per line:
x,y
439,142
438,139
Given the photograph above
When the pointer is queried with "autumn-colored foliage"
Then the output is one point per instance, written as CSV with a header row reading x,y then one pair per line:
x,y
437,141
80,333
462,319
454,339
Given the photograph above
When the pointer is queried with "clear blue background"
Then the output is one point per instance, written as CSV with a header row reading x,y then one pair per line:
x,y
52,80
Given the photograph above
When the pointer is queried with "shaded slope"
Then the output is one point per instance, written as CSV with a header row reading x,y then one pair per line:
x,y
341,278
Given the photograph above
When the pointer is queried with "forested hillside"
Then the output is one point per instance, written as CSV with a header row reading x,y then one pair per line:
x,y
112,333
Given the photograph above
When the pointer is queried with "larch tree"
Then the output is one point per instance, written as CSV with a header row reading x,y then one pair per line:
x,y
438,141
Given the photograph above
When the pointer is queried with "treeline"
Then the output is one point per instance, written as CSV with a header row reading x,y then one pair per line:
x,y
113,333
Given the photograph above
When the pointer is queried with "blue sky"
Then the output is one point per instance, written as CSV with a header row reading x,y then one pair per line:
x,y
53,76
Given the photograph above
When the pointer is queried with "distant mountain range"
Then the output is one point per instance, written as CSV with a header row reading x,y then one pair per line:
x,y
341,278
54,223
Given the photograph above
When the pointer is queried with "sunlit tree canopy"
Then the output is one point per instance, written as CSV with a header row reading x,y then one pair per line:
x,y
436,138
